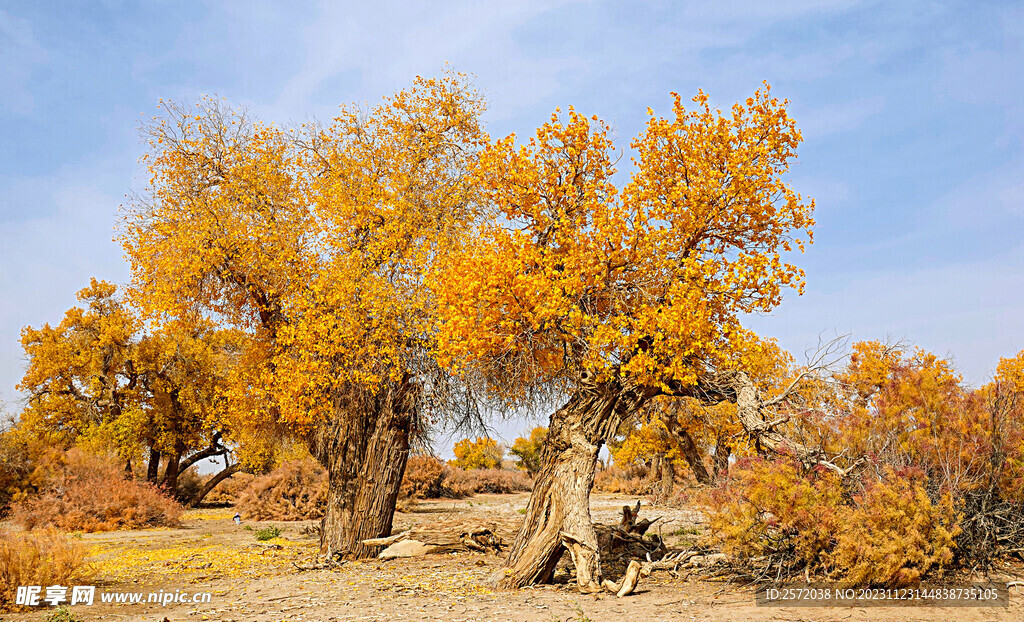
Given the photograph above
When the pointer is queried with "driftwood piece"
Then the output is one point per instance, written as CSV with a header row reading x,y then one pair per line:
x,y
436,539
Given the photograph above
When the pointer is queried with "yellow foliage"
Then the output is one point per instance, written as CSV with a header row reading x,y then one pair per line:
x,y
528,450
570,273
483,453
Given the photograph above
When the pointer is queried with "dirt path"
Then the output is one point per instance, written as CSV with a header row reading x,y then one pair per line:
x,y
250,581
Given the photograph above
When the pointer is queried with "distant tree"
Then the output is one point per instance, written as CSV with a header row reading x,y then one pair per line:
x,y
528,450
483,453
160,396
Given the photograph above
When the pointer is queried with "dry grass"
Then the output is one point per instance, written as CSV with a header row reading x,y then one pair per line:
x,y
296,490
460,482
42,557
86,492
630,480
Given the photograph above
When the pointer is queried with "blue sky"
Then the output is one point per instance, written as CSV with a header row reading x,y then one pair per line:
x,y
912,113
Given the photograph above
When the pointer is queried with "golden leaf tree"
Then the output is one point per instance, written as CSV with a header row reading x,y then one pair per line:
x,y
158,396
617,296
316,242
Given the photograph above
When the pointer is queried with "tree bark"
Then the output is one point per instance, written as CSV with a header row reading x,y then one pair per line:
x,y
691,453
558,513
171,472
668,476
722,452
153,469
364,449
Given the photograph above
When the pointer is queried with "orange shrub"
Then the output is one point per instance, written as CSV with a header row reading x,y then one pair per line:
x,y
895,534
462,482
86,492
777,514
296,490
423,478
772,508
41,557
630,480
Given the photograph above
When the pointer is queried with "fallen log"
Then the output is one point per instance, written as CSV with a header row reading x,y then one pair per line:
x,y
437,539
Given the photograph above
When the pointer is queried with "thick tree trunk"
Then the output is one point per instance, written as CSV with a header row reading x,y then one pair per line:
x,y
668,477
171,472
558,514
153,469
654,471
365,450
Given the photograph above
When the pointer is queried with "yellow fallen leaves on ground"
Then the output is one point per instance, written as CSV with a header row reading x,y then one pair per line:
x,y
124,563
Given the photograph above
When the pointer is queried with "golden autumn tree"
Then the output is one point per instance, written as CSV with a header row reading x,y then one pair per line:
x,y
527,450
482,453
98,378
315,242
618,296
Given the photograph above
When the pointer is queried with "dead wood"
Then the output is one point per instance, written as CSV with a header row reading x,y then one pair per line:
x,y
438,538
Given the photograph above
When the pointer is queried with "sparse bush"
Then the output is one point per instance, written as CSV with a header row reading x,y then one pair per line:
x,y
631,480
86,492
483,453
296,490
267,533
62,614
41,557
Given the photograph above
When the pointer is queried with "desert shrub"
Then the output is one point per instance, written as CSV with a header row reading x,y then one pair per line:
x,y
41,557
459,483
895,534
630,480
423,478
296,490
267,533
87,492
16,467
189,484
773,509
228,491
527,450
780,518
483,453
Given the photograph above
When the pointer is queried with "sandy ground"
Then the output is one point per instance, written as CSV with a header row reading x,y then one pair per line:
x,y
260,582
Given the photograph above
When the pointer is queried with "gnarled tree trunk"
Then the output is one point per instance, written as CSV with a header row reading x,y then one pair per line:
x,y
364,449
689,448
558,514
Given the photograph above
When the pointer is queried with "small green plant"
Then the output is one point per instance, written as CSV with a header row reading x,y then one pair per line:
x,y
267,533
580,615
521,510
62,614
